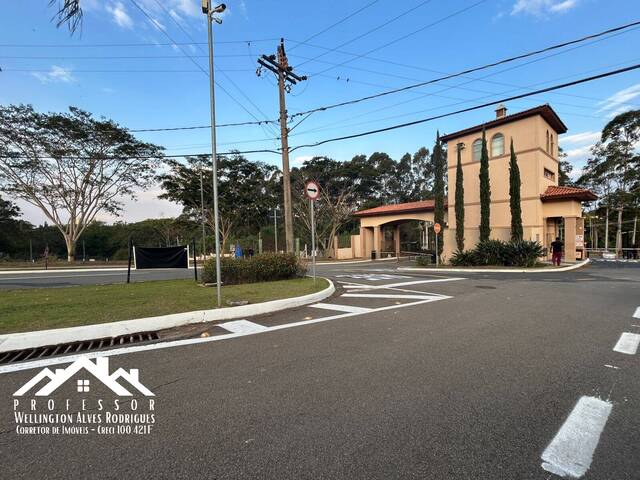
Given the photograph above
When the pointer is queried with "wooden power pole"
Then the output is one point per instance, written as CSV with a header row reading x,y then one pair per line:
x,y
279,65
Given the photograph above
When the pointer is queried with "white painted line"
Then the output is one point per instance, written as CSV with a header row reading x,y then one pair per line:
x,y
385,295
341,308
242,326
633,325
628,343
415,282
637,313
191,341
571,451
612,366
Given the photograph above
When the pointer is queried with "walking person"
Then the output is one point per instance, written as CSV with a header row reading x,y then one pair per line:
x,y
556,251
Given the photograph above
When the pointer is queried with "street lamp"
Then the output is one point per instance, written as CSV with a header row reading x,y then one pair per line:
x,y
209,12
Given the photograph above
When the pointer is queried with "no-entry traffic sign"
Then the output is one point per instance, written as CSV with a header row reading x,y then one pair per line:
x,y
312,190
437,228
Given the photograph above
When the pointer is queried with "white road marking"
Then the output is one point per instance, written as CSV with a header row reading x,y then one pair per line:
x,y
243,326
628,343
416,282
385,295
571,451
341,308
612,366
374,277
192,341
637,313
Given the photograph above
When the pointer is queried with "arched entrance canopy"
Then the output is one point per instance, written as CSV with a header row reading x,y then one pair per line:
x,y
372,221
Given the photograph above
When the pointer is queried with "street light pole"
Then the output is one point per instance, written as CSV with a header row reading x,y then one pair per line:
x,y
206,9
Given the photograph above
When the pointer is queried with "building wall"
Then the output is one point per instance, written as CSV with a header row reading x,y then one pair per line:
x,y
530,144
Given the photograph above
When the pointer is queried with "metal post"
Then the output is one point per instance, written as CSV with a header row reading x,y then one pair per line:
x,y
31,250
214,157
204,235
275,227
437,252
129,263
313,242
84,252
195,261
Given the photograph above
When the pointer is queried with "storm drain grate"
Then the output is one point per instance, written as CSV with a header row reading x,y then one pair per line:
x,y
75,347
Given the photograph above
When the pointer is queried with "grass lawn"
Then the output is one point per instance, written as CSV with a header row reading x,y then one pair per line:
x,y
44,308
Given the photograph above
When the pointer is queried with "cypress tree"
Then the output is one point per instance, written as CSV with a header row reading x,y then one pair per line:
x,y
459,201
514,197
485,191
438,189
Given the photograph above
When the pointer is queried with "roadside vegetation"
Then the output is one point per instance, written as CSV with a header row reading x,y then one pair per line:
x,y
265,267
46,308
515,253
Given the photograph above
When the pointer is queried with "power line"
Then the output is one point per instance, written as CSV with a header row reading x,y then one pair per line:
x,y
112,57
470,70
475,107
146,44
333,25
172,70
421,29
149,157
198,127
368,32
163,30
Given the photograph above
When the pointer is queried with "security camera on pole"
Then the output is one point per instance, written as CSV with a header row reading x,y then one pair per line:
x,y
209,12
312,191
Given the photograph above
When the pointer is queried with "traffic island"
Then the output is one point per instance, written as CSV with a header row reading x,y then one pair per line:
x,y
40,317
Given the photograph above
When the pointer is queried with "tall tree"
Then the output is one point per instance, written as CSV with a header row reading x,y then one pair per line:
x,y
459,193
439,167
71,165
514,197
247,192
485,191
564,169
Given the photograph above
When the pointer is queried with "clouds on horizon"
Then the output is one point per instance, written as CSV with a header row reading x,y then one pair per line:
x,y
55,74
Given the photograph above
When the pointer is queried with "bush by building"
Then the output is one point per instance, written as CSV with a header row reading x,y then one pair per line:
x,y
521,253
259,268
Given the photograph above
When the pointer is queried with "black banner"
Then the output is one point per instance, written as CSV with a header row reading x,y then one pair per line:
x,y
164,257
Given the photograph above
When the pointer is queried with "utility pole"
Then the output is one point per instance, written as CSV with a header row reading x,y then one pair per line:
x,y
202,220
279,65
275,227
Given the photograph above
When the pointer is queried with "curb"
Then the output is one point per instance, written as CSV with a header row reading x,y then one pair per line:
x,y
43,338
498,270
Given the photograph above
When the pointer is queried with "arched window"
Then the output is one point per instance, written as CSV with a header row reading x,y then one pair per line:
x,y
547,141
497,145
551,150
477,149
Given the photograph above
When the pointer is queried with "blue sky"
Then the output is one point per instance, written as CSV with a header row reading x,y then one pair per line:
x,y
155,85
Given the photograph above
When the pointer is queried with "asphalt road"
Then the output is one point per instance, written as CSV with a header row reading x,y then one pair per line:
x,y
57,278
431,377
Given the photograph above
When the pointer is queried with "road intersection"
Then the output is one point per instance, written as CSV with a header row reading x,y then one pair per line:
x,y
398,375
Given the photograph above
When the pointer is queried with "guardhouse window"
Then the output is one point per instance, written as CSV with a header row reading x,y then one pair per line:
x,y
548,174
547,141
477,149
497,145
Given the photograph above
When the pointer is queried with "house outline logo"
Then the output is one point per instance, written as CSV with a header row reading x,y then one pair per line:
x,y
99,369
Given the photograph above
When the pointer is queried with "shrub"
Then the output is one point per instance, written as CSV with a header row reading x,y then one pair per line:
x,y
424,260
522,253
259,268
464,258
490,252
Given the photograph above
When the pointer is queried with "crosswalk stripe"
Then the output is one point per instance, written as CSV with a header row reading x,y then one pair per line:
x,y
627,343
341,308
637,313
242,326
571,451
389,295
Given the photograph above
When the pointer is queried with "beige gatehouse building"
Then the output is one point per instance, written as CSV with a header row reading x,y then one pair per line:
x,y
548,210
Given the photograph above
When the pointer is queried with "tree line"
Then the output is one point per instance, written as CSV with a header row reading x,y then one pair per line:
x,y
73,166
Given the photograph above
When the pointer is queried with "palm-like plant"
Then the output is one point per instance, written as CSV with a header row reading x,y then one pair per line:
x,y
69,13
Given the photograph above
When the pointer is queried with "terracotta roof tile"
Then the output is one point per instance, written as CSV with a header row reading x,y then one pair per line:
x,y
558,193
423,205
